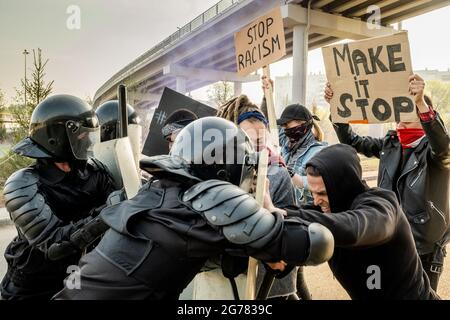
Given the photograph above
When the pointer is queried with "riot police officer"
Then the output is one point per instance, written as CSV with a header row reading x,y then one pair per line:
x,y
108,115
193,209
54,202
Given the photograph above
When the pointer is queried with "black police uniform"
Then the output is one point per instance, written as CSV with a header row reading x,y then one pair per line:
x,y
54,211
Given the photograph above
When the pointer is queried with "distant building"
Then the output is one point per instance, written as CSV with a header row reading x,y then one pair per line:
x,y
428,75
314,91
7,121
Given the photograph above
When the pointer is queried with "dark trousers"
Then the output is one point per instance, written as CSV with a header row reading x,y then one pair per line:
x,y
19,286
13,291
160,276
433,264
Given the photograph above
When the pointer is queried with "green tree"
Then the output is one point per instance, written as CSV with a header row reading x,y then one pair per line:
x,y
439,93
37,90
220,92
2,99
3,134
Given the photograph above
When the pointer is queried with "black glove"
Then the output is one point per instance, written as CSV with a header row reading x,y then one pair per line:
x,y
79,240
291,171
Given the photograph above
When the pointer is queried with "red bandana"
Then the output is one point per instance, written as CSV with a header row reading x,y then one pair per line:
x,y
409,136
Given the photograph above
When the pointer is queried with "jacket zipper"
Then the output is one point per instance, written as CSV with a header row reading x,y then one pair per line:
x,y
417,178
405,173
437,210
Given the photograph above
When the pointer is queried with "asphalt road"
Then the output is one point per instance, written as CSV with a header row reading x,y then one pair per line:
x,y
7,232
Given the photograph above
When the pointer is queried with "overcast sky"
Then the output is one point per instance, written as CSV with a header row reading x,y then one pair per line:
x,y
114,32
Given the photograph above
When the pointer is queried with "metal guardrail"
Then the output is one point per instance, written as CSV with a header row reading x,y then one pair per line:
x,y
214,11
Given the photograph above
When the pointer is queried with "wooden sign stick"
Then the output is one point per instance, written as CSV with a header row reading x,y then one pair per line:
x,y
268,93
252,271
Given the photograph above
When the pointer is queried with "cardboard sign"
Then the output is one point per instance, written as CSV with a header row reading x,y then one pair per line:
x,y
155,144
260,43
369,79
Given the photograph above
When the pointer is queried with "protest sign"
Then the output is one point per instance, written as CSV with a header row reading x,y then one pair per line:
x,y
369,79
260,43
155,144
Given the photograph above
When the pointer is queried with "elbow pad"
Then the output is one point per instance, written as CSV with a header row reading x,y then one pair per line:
x,y
321,244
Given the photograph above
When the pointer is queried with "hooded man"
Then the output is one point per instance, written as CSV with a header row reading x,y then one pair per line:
x,y
375,255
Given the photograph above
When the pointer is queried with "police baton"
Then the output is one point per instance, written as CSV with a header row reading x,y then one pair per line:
x,y
122,112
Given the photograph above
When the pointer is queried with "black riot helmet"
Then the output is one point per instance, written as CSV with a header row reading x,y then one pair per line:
x,y
215,148
62,128
108,116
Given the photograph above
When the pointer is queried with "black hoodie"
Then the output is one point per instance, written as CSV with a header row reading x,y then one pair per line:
x,y
372,235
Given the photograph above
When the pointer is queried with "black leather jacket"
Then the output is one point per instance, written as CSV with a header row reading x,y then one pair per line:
x,y
421,184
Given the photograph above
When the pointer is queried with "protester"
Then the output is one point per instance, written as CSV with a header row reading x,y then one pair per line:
x,y
375,255
300,138
252,121
412,164
54,202
298,143
175,122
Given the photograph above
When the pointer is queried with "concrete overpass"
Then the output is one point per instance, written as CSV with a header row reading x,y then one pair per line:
x,y
202,51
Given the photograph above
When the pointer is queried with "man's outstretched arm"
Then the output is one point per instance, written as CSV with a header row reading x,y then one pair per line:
x,y
264,235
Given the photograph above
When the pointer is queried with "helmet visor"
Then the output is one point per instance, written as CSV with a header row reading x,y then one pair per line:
x,y
248,176
82,139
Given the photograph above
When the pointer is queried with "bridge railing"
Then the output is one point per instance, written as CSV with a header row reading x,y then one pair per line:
x,y
194,24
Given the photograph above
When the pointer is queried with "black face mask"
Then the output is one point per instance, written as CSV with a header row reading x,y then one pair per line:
x,y
296,133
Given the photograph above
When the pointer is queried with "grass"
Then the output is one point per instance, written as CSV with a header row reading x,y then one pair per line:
x,y
4,148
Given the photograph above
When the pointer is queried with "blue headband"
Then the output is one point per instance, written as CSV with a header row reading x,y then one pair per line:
x,y
252,114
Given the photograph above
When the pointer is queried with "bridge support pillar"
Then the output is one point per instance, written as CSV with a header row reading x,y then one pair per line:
x,y
299,63
181,85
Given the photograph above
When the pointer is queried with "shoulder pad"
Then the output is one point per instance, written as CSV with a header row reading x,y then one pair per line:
x,y
226,205
163,165
26,206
